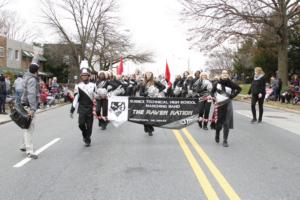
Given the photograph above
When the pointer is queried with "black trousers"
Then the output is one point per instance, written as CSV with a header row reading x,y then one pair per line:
x,y
148,128
204,111
101,110
225,127
260,101
85,121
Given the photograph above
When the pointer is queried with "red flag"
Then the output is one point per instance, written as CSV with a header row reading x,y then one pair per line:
x,y
168,75
120,68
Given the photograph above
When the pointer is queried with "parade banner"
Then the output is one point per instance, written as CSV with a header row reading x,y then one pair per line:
x,y
172,113
117,110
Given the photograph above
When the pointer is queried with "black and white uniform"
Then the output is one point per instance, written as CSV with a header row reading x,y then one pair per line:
x,y
151,91
115,88
224,91
84,96
102,103
178,87
203,90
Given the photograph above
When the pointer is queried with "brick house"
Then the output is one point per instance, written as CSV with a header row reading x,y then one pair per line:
x,y
16,56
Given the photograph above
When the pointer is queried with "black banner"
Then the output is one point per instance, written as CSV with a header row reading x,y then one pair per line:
x,y
173,113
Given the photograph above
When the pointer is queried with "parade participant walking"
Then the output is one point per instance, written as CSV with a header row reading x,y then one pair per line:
x,y
203,90
177,86
224,91
84,96
101,99
30,98
150,88
258,93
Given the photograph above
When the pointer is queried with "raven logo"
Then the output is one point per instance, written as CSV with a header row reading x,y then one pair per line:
x,y
117,107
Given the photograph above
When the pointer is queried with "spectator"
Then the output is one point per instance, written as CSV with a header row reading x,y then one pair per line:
x,y
257,92
18,85
295,81
66,93
3,93
275,88
7,82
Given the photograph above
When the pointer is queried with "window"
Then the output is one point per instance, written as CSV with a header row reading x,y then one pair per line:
x,y
10,54
17,54
1,51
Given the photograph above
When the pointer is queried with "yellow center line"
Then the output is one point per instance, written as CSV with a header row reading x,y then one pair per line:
x,y
232,195
206,186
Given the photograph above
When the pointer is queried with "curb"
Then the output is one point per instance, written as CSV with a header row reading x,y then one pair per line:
x,y
270,106
41,111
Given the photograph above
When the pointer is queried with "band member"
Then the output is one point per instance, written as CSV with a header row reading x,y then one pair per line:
x,y
101,99
204,89
150,88
224,91
30,98
258,93
115,87
84,96
177,86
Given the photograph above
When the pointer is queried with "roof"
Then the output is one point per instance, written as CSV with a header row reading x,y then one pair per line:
x,y
42,58
16,71
27,54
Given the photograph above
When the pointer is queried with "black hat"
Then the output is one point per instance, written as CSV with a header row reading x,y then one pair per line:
x,y
33,68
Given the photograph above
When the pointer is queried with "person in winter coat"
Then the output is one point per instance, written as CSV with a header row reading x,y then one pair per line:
x,y
258,93
30,98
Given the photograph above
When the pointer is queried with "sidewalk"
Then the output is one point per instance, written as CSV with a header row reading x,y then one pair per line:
x,y
5,118
271,104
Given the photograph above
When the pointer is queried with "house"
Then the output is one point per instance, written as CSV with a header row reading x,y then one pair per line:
x,y
16,56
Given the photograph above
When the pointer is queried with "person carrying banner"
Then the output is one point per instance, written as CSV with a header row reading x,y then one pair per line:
x,y
223,92
177,86
84,95
203,89
115,87
150,88
101,99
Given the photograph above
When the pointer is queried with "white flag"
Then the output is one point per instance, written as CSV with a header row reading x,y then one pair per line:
x,y
117,110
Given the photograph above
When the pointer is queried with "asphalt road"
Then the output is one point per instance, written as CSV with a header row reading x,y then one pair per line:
x,y
262,162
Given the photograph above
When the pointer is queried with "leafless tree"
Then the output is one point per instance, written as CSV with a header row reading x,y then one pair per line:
x,y
94,22
220,59
216,21
87,16
3,3
112,45
13,27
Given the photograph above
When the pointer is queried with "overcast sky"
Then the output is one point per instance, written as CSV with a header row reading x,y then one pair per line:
x,y
153,25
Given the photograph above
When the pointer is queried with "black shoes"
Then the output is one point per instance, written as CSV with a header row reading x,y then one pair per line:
x,y
103,126
150,133
200,124
87,142
205,127
259,121
23,149
225,143
32,155
253,120
217,138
